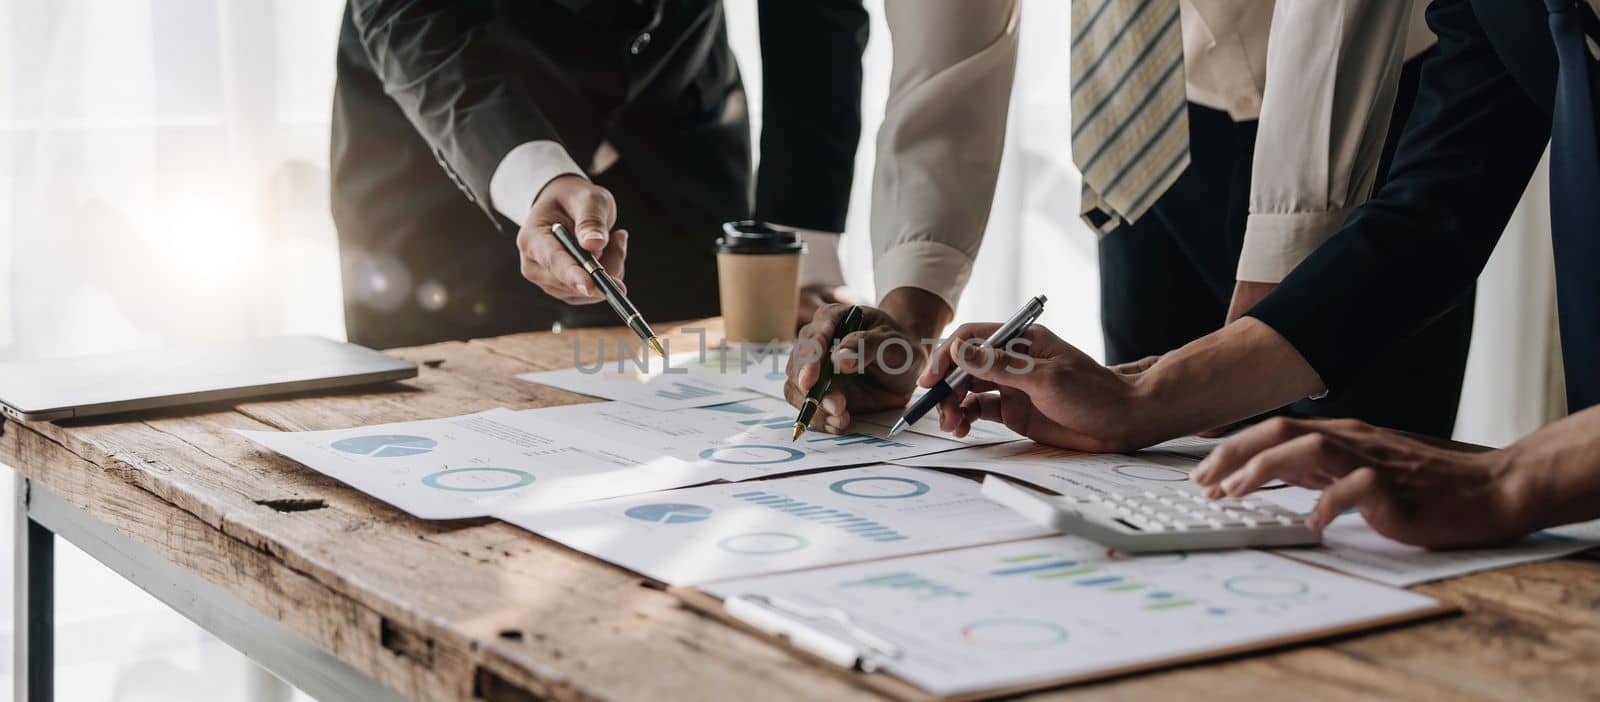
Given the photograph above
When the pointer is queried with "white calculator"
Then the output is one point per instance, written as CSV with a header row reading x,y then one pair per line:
x,y
1158,519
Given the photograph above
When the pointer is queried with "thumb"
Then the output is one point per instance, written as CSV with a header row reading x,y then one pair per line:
x,y
1343,494
993,365
594,214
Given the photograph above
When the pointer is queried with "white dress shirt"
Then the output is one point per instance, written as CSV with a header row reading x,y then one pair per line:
x,y
526,169
940,144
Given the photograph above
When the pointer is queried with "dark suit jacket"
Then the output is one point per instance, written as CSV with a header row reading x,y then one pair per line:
x,y
1478,129
432,94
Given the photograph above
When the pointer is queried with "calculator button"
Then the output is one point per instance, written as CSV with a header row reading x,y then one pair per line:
x,y
1250,521
1180,527
1231,514
1214,523
1154,527
1285,520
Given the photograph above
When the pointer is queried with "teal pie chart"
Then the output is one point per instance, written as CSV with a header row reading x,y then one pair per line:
x,y
669,513
385,445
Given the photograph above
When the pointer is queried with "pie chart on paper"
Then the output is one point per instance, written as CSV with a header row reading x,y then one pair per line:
x,y
386,445
669,513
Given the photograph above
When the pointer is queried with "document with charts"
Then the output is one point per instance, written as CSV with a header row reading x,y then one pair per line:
x,y
1058,609
740,440
685,380
979,434
713,532
1070,472
467,466
1351,545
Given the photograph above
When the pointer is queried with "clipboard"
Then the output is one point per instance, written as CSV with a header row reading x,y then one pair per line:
x,y
791,631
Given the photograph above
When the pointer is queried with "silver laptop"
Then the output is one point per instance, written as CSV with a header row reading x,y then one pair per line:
x,y
35,391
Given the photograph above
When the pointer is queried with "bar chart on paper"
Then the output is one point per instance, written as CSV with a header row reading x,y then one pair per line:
x,y
1013,613
714,532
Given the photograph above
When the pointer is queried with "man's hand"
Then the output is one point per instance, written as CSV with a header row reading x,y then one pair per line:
x,y
815,297
1245,295
1040,387
590,212
1412,490
881,359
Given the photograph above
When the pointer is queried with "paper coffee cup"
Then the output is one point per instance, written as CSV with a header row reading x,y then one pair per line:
x,y
758,278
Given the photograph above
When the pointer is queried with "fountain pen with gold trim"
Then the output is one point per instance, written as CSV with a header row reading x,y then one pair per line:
x,y
608,287
850,323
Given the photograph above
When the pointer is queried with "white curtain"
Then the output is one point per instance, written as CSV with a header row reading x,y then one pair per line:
x,y
163,178
165,172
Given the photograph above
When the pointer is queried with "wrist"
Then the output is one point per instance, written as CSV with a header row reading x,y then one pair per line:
x,y
1146,416
1520,492
920,313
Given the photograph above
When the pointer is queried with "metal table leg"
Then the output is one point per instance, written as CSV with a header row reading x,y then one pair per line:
x,y
34,566
42,515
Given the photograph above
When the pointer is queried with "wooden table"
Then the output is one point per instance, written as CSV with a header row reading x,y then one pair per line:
x,y
349,598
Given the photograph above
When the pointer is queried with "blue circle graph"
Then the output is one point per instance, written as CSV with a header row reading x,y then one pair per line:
x,y
437,480
912,489
763,543
385,445
669,513
714,454
1266,586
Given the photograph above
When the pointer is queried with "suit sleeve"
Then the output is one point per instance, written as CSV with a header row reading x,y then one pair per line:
x,y
810,110
1407,255
445,64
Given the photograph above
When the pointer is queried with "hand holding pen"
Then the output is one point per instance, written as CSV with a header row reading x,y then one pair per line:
x,y
587,211
1046,389
609,288
949,377
881,358
849,324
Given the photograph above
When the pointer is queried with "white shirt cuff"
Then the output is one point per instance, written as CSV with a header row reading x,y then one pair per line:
x,y
927,265
819,265
524,172
1275,243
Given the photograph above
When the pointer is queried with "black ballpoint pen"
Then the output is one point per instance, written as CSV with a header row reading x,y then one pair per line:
x,y
954,376
850,323
608,287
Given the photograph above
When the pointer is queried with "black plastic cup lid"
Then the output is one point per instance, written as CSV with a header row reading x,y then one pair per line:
x,y
751,237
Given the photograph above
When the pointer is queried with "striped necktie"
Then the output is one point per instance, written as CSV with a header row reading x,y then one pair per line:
x,y
1130,123
1575,199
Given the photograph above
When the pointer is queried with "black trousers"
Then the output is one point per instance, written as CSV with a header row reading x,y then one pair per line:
x,y
1167,279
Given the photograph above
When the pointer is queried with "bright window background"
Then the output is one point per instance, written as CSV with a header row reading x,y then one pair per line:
x,y
163,178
